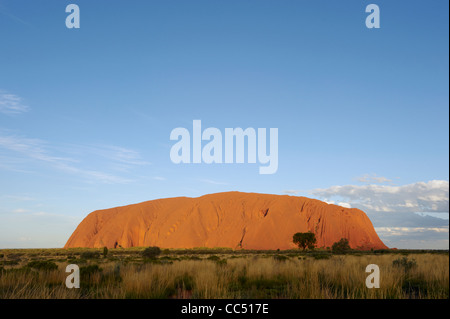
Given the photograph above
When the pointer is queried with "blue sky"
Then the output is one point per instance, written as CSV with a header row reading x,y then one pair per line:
x,y
86,114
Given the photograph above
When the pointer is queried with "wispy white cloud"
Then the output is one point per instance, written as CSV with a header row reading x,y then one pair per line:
x,y
34,213
159,178
92,175
20,211
117,153
11,104
373,179
432,196
291,192
5,11
12,163
32,148
39,150
18,198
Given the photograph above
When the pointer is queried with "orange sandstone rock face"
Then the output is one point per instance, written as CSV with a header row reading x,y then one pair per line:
x,y
232,219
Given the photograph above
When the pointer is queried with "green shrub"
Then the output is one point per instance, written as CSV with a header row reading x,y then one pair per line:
x,y
2,255
194,258
381,251
15,256
280,258
321,256
78,261
90,255
105,251
217,260
88,271
222,262
169,258
341,247
213,258
44,265
151,252
404,263
9,263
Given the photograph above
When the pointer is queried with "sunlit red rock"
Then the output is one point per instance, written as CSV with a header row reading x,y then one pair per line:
x,y
231,219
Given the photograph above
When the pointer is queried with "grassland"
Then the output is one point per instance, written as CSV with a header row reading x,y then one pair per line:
x,y
222,273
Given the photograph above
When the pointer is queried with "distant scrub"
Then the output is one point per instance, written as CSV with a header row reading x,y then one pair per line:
x,y
382,251
15,256
151,252
156,261
194,258
88,271
42,265
217,260
280,258
222,262
213,258
9,262
90,255
321,256
168,258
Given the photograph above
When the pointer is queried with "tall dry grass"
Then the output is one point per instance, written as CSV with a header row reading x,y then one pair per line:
x,y
341,276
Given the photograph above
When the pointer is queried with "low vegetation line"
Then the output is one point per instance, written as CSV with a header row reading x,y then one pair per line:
x,y
151,272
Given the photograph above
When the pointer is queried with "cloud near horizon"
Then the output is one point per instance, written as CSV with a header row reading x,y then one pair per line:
x,y
417,237
432,196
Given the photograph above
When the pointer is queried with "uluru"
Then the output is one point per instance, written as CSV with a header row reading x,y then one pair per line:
x,y
232,219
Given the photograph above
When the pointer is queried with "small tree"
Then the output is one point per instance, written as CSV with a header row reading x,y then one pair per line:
x,y
105,252
151,252
305,240
341,246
